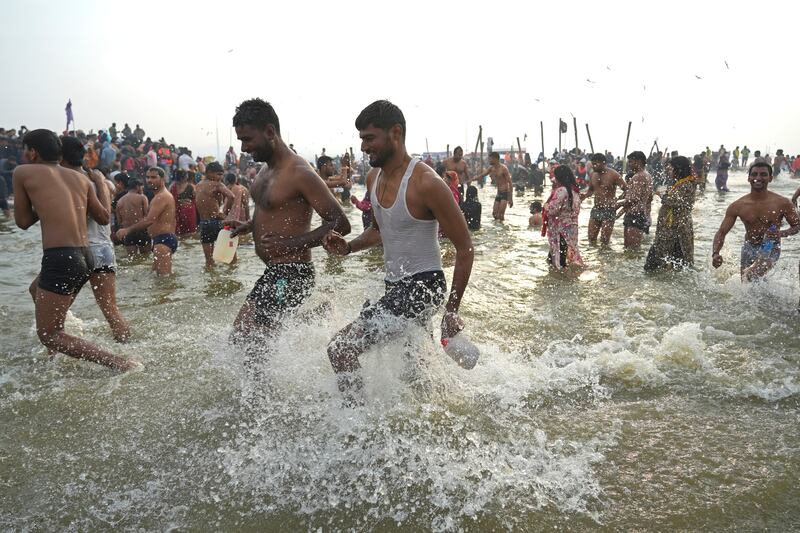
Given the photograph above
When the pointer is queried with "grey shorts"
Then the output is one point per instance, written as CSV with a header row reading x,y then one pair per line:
x,y
104,258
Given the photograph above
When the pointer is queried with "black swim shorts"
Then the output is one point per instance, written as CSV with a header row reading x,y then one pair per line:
x,y
65,270
601,214
501,196
636,220
282,287
209,229
140,239
170,240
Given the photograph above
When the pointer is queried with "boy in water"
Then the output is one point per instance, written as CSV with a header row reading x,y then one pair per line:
x,y
535,220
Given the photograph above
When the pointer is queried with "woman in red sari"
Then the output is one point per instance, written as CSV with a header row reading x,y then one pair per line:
x,y
182,190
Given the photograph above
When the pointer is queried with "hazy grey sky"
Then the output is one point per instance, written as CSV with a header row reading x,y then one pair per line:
x,y
450,66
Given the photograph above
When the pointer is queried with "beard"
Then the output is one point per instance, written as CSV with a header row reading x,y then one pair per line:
x,y
379,159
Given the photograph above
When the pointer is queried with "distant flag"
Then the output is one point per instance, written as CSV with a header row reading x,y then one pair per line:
x,y
70,117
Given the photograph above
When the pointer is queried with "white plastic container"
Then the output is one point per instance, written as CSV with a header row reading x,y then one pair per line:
x,y
461,350
225,246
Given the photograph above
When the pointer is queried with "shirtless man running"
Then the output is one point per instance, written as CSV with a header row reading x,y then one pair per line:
x,y
762,213
638,201
502,180
459,166
210,194
131,209
286,192
60,198
159,223
603,185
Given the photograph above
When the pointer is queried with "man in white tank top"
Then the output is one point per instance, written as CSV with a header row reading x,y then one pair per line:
x,y
410,202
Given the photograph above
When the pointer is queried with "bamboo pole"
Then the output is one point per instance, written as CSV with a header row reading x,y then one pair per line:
x,y
575,128
591,146
544,158
625,155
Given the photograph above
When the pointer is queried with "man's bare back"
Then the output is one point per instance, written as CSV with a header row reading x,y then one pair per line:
x,y
210,197
61,198
131,208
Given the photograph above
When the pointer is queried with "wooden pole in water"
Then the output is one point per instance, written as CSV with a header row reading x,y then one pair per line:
x,y
481,155
541,127
559,135
428,150
591,146
519,147
624,155
478,140
448,150
575,127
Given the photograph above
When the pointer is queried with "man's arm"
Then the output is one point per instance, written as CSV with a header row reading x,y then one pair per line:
x,y
791,216
510,186
795,196
482,174
439,200
98,202
719,239
24,215
590,189
371,236
156,208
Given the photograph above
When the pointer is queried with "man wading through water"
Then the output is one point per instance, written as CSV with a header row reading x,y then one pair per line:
x,y
409,203
286,193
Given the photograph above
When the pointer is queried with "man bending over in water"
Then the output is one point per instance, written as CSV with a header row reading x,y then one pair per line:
x,y
762,213
502,180
60,198
410,202
159,223
286,192
603,185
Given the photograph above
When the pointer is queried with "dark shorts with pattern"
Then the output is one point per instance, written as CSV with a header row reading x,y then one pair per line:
x,y
65,270
209,229
410,300
501,197
281,288
602,214
636,220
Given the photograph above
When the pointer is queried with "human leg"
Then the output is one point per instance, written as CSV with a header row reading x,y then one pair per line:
x,y
104,287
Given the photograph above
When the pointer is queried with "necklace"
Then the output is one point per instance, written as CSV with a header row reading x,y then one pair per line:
x,y
383,182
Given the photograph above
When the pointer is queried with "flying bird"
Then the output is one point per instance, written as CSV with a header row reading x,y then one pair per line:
x,y
608,68
698,77
537,99
231,50
590,81
726,66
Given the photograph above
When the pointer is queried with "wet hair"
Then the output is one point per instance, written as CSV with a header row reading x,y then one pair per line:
x,y
456,149
494,154
230,178
322,160
180,175
159,171
536,207
213,167
638,156
122,178
472,193
597,158
760,164
565,177
133,184
381,114
440,169
681,166
72,151
258,113
45,142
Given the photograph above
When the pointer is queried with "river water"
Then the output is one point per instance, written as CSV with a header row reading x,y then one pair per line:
x,y
614,401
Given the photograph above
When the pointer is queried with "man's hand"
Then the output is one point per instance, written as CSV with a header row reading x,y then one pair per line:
x,y
451,324
335,244
238,227
354,200
121,233
716,260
